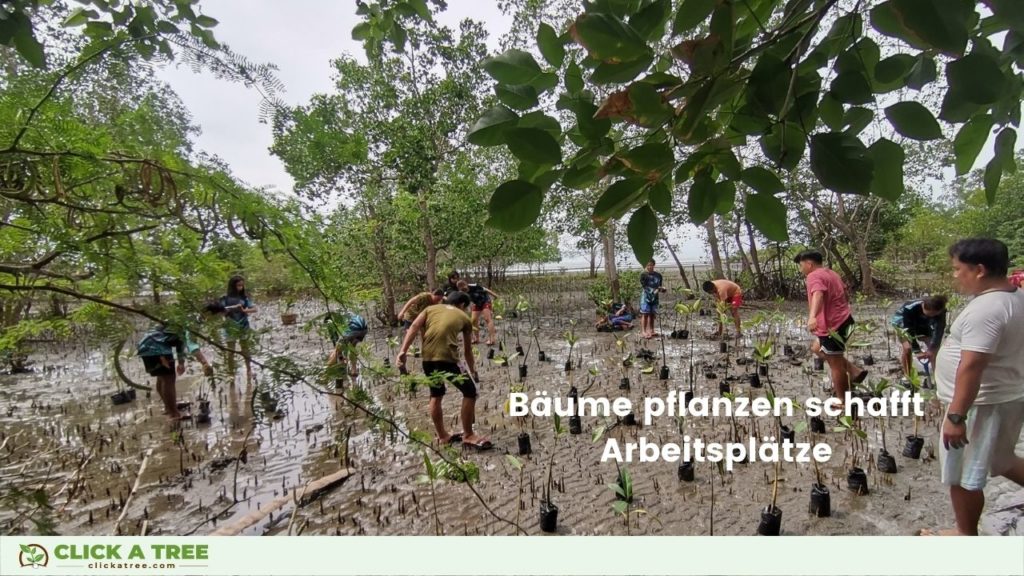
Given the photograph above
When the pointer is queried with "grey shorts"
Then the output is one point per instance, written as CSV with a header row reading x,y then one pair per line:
x,y
993,431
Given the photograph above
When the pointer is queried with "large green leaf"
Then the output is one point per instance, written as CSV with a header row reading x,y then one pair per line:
x,y
533,145
580,177
939,24
1006,142
888,158
690,14
763,180
650,159
520,97
642,231
573,78
515,205
784,145
841,163
512,67
590,127
648,107
831,112
913,120
1002,161
856,119
969,141
768,214
538,119
660,198
489,130
607,38
923,73
976,78
701,200
851,87
650,21
617,199
725,197
550,45
620,72
894,68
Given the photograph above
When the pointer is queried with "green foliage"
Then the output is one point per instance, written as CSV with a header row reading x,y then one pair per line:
x,y
767,81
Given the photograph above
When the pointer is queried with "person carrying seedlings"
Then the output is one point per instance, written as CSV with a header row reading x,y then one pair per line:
x,y
345,343
651,285
480,297
830,319
923,319
158,348
441,325
238,306
979,377
730,293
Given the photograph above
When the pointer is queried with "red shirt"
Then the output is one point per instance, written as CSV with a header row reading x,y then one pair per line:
x,y
835,309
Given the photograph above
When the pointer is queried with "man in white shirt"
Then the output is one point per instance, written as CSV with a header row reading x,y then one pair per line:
x,y
979,377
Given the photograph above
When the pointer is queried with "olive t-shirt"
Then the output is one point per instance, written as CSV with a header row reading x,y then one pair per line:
x,y
444,326
419,304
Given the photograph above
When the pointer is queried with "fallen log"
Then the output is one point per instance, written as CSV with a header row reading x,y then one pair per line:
x,y
309,492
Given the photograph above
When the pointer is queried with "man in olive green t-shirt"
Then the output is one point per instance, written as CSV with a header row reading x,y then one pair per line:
x,y
441,325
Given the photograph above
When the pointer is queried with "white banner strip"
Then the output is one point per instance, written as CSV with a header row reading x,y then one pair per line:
x,y
283,556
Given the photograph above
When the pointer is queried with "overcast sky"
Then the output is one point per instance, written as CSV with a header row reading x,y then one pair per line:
x,y
300,37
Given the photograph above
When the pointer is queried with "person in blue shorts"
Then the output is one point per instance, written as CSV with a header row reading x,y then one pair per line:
x,y
651,285
345,340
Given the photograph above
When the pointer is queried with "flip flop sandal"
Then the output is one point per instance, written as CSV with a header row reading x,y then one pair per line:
x,y
454,439
485,445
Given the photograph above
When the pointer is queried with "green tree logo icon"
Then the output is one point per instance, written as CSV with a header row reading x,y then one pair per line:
x,y
33,555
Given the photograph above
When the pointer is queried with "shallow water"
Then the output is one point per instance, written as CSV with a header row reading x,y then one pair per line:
x,y
62,432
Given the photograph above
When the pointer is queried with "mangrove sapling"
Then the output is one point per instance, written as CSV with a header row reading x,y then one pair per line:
x,y
515,463
856,479
623,489
771,516
571,339
548,509
663,374
912,449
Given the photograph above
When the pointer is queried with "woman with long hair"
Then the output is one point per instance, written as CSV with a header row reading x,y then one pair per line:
x,y
238,307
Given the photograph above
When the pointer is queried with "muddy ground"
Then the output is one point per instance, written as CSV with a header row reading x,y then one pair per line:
x,y
60,436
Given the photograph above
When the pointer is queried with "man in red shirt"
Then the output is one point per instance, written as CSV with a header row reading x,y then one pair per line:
x,y
830,319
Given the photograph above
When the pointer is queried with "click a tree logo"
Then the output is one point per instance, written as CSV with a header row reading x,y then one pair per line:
x,y
33,555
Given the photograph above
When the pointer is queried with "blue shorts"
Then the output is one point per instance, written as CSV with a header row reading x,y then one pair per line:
x,y
647,307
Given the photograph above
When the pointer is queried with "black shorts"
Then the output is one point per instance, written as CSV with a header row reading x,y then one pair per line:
x,y
154,367
832,346
406,324
456,378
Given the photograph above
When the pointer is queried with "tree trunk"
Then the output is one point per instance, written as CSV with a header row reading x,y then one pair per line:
x,y
682,271
428,243
758,274
716,257
490,273
867,283
381,254
744,261
608,237
593,261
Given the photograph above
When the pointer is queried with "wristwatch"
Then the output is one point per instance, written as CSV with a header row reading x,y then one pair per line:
x,y
957,419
